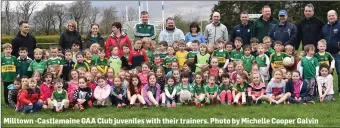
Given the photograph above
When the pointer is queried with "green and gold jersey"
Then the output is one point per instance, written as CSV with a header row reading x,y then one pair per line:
x,y
191,56
236,55
324,58
9,68
277,59
167,63
163,55
222,57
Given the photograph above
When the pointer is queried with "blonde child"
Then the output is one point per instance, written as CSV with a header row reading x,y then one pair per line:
x,y
134,92
81,71
147,48
88,56
94,48
262,60
37,64
214,66
90,82
275,90
102,92
240,89
94,70
289,49
72,85
119,92
239,68
59,97
115,62
267,41
323,56
181,54
83,94
202,58
256,89
30,97
55,61
37,77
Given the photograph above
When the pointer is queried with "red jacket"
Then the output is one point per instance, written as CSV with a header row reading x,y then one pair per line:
x,y
29,96
137,57
112,40
92,85
45,91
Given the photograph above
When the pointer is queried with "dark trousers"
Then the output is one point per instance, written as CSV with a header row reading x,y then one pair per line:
x,y
6,84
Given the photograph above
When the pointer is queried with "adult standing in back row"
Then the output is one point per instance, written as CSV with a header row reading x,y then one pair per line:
x,y
263,24
331,33
309,28
24,39
68,37
284,31
215,30
145,29
170,33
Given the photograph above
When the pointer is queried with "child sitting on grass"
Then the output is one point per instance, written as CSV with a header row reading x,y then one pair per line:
x,y
83,94
30,97
59,97
102,92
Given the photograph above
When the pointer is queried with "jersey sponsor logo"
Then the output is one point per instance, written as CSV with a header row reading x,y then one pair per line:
x,y
8,68
278,64
324,62
221,59
335,31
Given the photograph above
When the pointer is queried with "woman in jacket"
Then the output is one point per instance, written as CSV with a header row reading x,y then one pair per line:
x,y
194,33
68,37
117,38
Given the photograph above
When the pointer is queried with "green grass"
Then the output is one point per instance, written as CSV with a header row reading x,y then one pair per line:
x,y
326,113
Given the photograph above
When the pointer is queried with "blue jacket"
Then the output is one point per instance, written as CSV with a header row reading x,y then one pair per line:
x,y
285,33
242,31
331,33
303,89
308,31
189,37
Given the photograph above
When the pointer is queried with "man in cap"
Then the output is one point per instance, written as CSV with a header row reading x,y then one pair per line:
x,y
284,31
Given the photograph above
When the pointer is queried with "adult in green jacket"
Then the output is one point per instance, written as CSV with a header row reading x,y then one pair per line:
x,y
262,25
94,37
145,29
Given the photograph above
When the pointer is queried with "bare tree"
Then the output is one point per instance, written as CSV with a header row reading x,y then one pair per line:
x,y
60,11
45,18
8,17
27,8
109,16
79,10
132,14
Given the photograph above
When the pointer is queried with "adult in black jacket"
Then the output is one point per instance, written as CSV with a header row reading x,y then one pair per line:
x,y
24,39
71,34
94,37
309,28
242,30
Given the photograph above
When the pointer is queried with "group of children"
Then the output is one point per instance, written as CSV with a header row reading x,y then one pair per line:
x,y
192,73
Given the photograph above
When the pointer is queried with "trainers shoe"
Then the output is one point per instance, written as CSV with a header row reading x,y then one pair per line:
x,y
32,111
311,102
163,105
169,105
229,103
81,107
224,103
119,105
76,106
157,105
145,106
123,105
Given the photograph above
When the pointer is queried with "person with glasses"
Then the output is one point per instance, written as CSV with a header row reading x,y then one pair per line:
x,y
68,37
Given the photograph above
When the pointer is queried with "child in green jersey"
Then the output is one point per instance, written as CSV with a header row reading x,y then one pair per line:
x,y
24,62
55,61
81,62
276,59
309,67
198,89
240,89
169,59
88,56
101,63
170,92
248,59
237,53
211,90
184,86
38,64
262,60
125,57
59,97
192,54
163,47
147,48
254,42
289,49
202,58
9,72
75,49
115,62
267,41
229,47
94,48
221,54
325,57
225,90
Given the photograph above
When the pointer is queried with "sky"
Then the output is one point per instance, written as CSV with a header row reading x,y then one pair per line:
x,y
188,9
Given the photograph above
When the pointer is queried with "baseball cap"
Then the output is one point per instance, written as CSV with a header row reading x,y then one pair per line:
x,y
282,13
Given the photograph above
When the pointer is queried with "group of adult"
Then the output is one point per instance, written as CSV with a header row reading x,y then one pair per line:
x,y
308,31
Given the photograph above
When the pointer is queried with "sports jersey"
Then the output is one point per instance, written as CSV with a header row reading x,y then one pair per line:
x,y
247,62
102,64
222,56
211,90
182,57
324,58
167,63
163,55
9,67
180,87
59,96
270,51
201,60
261,60
238,88
223,87
236,54
116,63
309,67
198,89
84,65
191,56
24,65
277,60
150,56
55,61
38,65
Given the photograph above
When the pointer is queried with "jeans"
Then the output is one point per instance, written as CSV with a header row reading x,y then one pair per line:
x,y
35,107
337,67
118,101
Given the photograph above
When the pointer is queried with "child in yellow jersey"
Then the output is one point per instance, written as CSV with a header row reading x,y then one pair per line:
x,y
181,54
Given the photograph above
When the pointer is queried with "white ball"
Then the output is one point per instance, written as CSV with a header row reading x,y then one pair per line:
x,y
287,61
185,96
